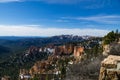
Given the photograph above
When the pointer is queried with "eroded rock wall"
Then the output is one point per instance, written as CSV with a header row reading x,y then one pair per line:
x,y
110,68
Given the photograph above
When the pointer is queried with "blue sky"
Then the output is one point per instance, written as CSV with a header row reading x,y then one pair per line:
x,y
57,17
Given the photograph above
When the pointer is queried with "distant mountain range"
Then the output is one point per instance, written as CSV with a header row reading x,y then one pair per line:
x,y
26,37
16,37
39,41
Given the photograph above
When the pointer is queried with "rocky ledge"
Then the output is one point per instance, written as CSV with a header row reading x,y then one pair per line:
x,y
110,68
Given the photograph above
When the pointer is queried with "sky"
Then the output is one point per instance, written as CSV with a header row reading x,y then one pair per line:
x,y
58,17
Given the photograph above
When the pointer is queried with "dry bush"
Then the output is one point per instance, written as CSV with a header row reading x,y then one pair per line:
x,y
86,70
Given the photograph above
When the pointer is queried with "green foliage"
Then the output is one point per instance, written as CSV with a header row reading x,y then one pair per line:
x,y
63,70
12,66
111,37
47,77
35,78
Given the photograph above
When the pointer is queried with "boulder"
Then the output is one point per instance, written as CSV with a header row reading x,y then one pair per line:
x,y
110,68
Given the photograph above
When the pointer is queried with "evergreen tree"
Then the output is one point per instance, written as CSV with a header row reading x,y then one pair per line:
x,y
111,37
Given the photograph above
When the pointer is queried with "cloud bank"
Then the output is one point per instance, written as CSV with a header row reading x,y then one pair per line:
x,y
104,19
36,30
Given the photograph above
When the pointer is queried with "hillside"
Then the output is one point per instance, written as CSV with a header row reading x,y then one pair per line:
x,y
31,51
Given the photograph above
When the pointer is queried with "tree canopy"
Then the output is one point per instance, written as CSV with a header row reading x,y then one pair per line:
x,y
111,37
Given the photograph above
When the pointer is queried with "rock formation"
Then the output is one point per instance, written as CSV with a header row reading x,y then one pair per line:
x,y
64,50
78,52
110,68
113,49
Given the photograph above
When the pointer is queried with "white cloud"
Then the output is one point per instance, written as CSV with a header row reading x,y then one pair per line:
x,y
105,19
3,1
28,30
48,1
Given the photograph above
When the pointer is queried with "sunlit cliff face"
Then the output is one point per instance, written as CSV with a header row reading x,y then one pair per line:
x,y
78,51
